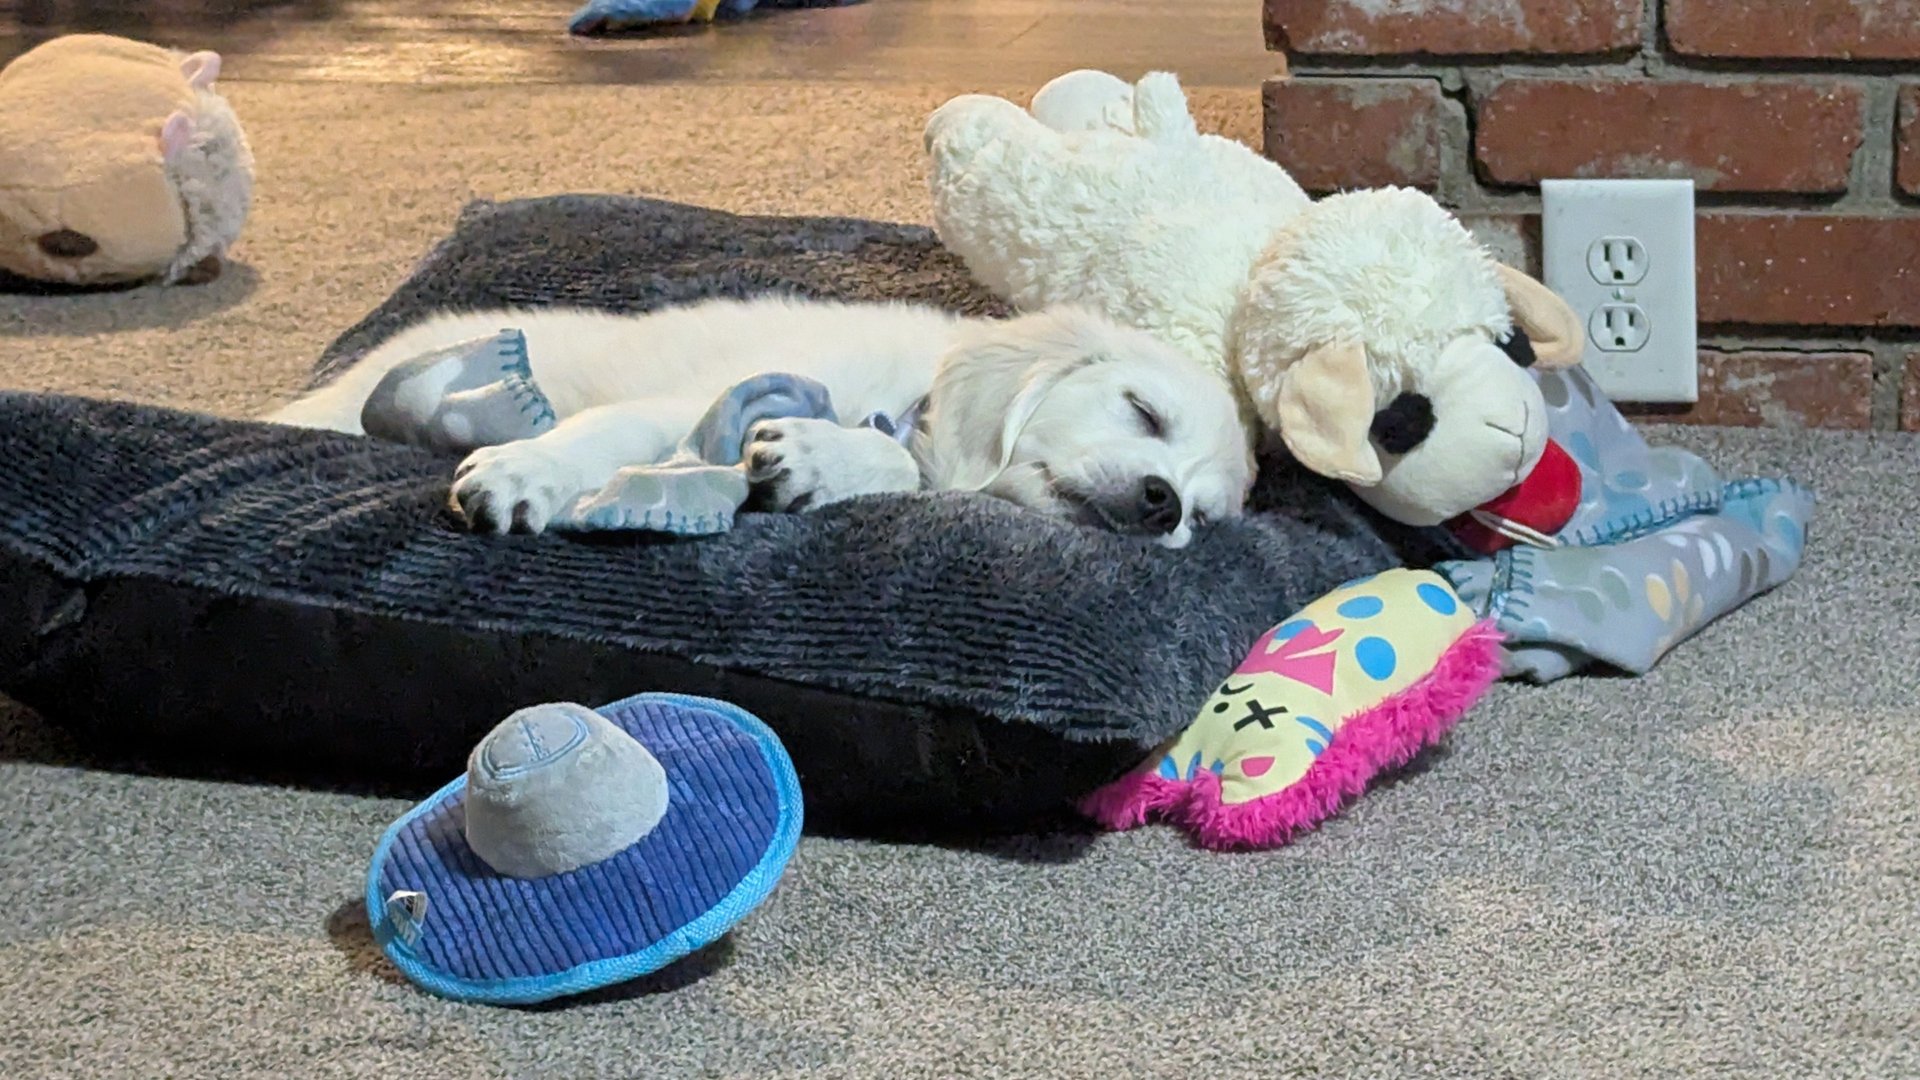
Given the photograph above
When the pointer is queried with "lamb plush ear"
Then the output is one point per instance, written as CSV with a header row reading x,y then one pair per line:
x,y
1558,337
201,69
1325,408
176,135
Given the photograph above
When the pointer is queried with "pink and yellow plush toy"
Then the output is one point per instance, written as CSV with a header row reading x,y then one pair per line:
x,y
1355,684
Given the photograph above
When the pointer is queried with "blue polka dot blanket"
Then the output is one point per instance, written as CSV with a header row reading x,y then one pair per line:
x,y
1659,547
482,393
585,848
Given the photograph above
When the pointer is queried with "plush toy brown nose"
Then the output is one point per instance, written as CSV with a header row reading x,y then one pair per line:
x,y
67,244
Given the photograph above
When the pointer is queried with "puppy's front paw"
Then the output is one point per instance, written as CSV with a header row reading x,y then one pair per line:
x,y
515,487
797,464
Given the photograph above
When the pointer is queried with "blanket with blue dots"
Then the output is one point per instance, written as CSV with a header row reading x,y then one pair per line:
x,y
1660,546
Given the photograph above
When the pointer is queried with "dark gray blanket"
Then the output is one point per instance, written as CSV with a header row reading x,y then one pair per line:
x,y
950,611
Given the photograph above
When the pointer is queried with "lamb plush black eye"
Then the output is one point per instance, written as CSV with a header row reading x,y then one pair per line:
x,y
1404,423
1148,418
1517,347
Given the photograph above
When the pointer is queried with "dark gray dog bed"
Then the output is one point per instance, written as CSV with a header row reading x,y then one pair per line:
x,y
203,592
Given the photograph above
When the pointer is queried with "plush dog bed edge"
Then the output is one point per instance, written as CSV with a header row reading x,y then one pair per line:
x,y
393,701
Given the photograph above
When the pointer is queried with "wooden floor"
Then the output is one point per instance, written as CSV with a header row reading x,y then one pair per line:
x,y
1209,42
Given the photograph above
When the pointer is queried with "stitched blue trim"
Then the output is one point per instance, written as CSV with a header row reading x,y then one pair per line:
x,y
1650,520
690,938
1752,487
526,396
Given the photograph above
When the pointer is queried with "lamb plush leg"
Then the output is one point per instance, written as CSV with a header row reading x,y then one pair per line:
x,y
1159,229
1085,100
520,486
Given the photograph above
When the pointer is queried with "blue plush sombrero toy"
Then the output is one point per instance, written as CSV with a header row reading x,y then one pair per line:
x,y
585,848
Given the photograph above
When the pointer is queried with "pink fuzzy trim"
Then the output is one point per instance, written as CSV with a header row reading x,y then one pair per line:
x,y
1370,742
1129,801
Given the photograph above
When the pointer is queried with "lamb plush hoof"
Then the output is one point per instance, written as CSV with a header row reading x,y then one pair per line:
x,y
1085,100
968,122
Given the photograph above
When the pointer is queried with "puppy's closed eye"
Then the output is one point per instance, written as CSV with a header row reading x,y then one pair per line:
x,y
1149,419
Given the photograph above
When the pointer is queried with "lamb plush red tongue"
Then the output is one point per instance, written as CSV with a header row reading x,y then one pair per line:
x,y
1541,504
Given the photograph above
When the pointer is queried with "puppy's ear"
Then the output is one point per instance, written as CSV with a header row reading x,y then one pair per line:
x,y
986,392
1326,412
1557,334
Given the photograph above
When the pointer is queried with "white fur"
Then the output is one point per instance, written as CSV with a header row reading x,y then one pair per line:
x,y
1190,212
213,171
1218,251
1390,269
1039,409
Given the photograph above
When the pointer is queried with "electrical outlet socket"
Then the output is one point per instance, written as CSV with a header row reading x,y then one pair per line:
x,y
1620,327
1621,253
1617,260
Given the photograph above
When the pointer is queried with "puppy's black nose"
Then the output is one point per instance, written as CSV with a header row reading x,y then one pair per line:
x,y
1159,506
67,244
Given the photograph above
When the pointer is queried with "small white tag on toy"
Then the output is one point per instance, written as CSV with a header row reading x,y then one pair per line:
x,y
406,911
1513,530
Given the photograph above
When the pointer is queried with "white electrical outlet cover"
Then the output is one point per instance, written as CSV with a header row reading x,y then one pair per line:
x,y
1597,236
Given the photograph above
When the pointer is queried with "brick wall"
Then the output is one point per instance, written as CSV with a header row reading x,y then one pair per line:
x,y
1798,120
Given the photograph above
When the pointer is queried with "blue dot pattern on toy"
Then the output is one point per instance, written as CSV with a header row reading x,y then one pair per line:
x,y
1361,607
1437,598
1290,630
1377,658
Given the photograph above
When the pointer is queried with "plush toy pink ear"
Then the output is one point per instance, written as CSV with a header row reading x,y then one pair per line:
x,y
201,69
176,135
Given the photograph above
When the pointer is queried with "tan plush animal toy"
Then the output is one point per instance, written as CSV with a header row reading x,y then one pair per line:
x,y
118,163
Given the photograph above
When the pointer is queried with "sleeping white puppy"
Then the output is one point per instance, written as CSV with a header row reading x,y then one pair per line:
x,y
1063,411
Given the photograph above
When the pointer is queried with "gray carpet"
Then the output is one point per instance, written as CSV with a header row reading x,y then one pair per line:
x,y
1710,871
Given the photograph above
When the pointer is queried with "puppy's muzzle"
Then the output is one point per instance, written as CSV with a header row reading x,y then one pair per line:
x,y
1149,508
1158,507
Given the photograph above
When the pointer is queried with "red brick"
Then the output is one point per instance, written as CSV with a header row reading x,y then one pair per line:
x,y
1808,269
1347,133
1748,136
1759,388
1795,29
1910,395
1909,168
1451,27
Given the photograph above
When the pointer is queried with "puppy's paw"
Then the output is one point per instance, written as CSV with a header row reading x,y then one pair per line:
x,y
798,464
514,487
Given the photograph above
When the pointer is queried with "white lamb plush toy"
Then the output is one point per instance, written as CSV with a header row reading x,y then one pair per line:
x,y
1370,329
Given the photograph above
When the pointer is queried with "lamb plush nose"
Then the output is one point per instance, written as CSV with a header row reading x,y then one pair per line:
x,y
1159,506
67,244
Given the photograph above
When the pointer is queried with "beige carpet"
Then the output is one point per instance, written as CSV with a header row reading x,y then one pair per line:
x,y
1712,871
357,181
